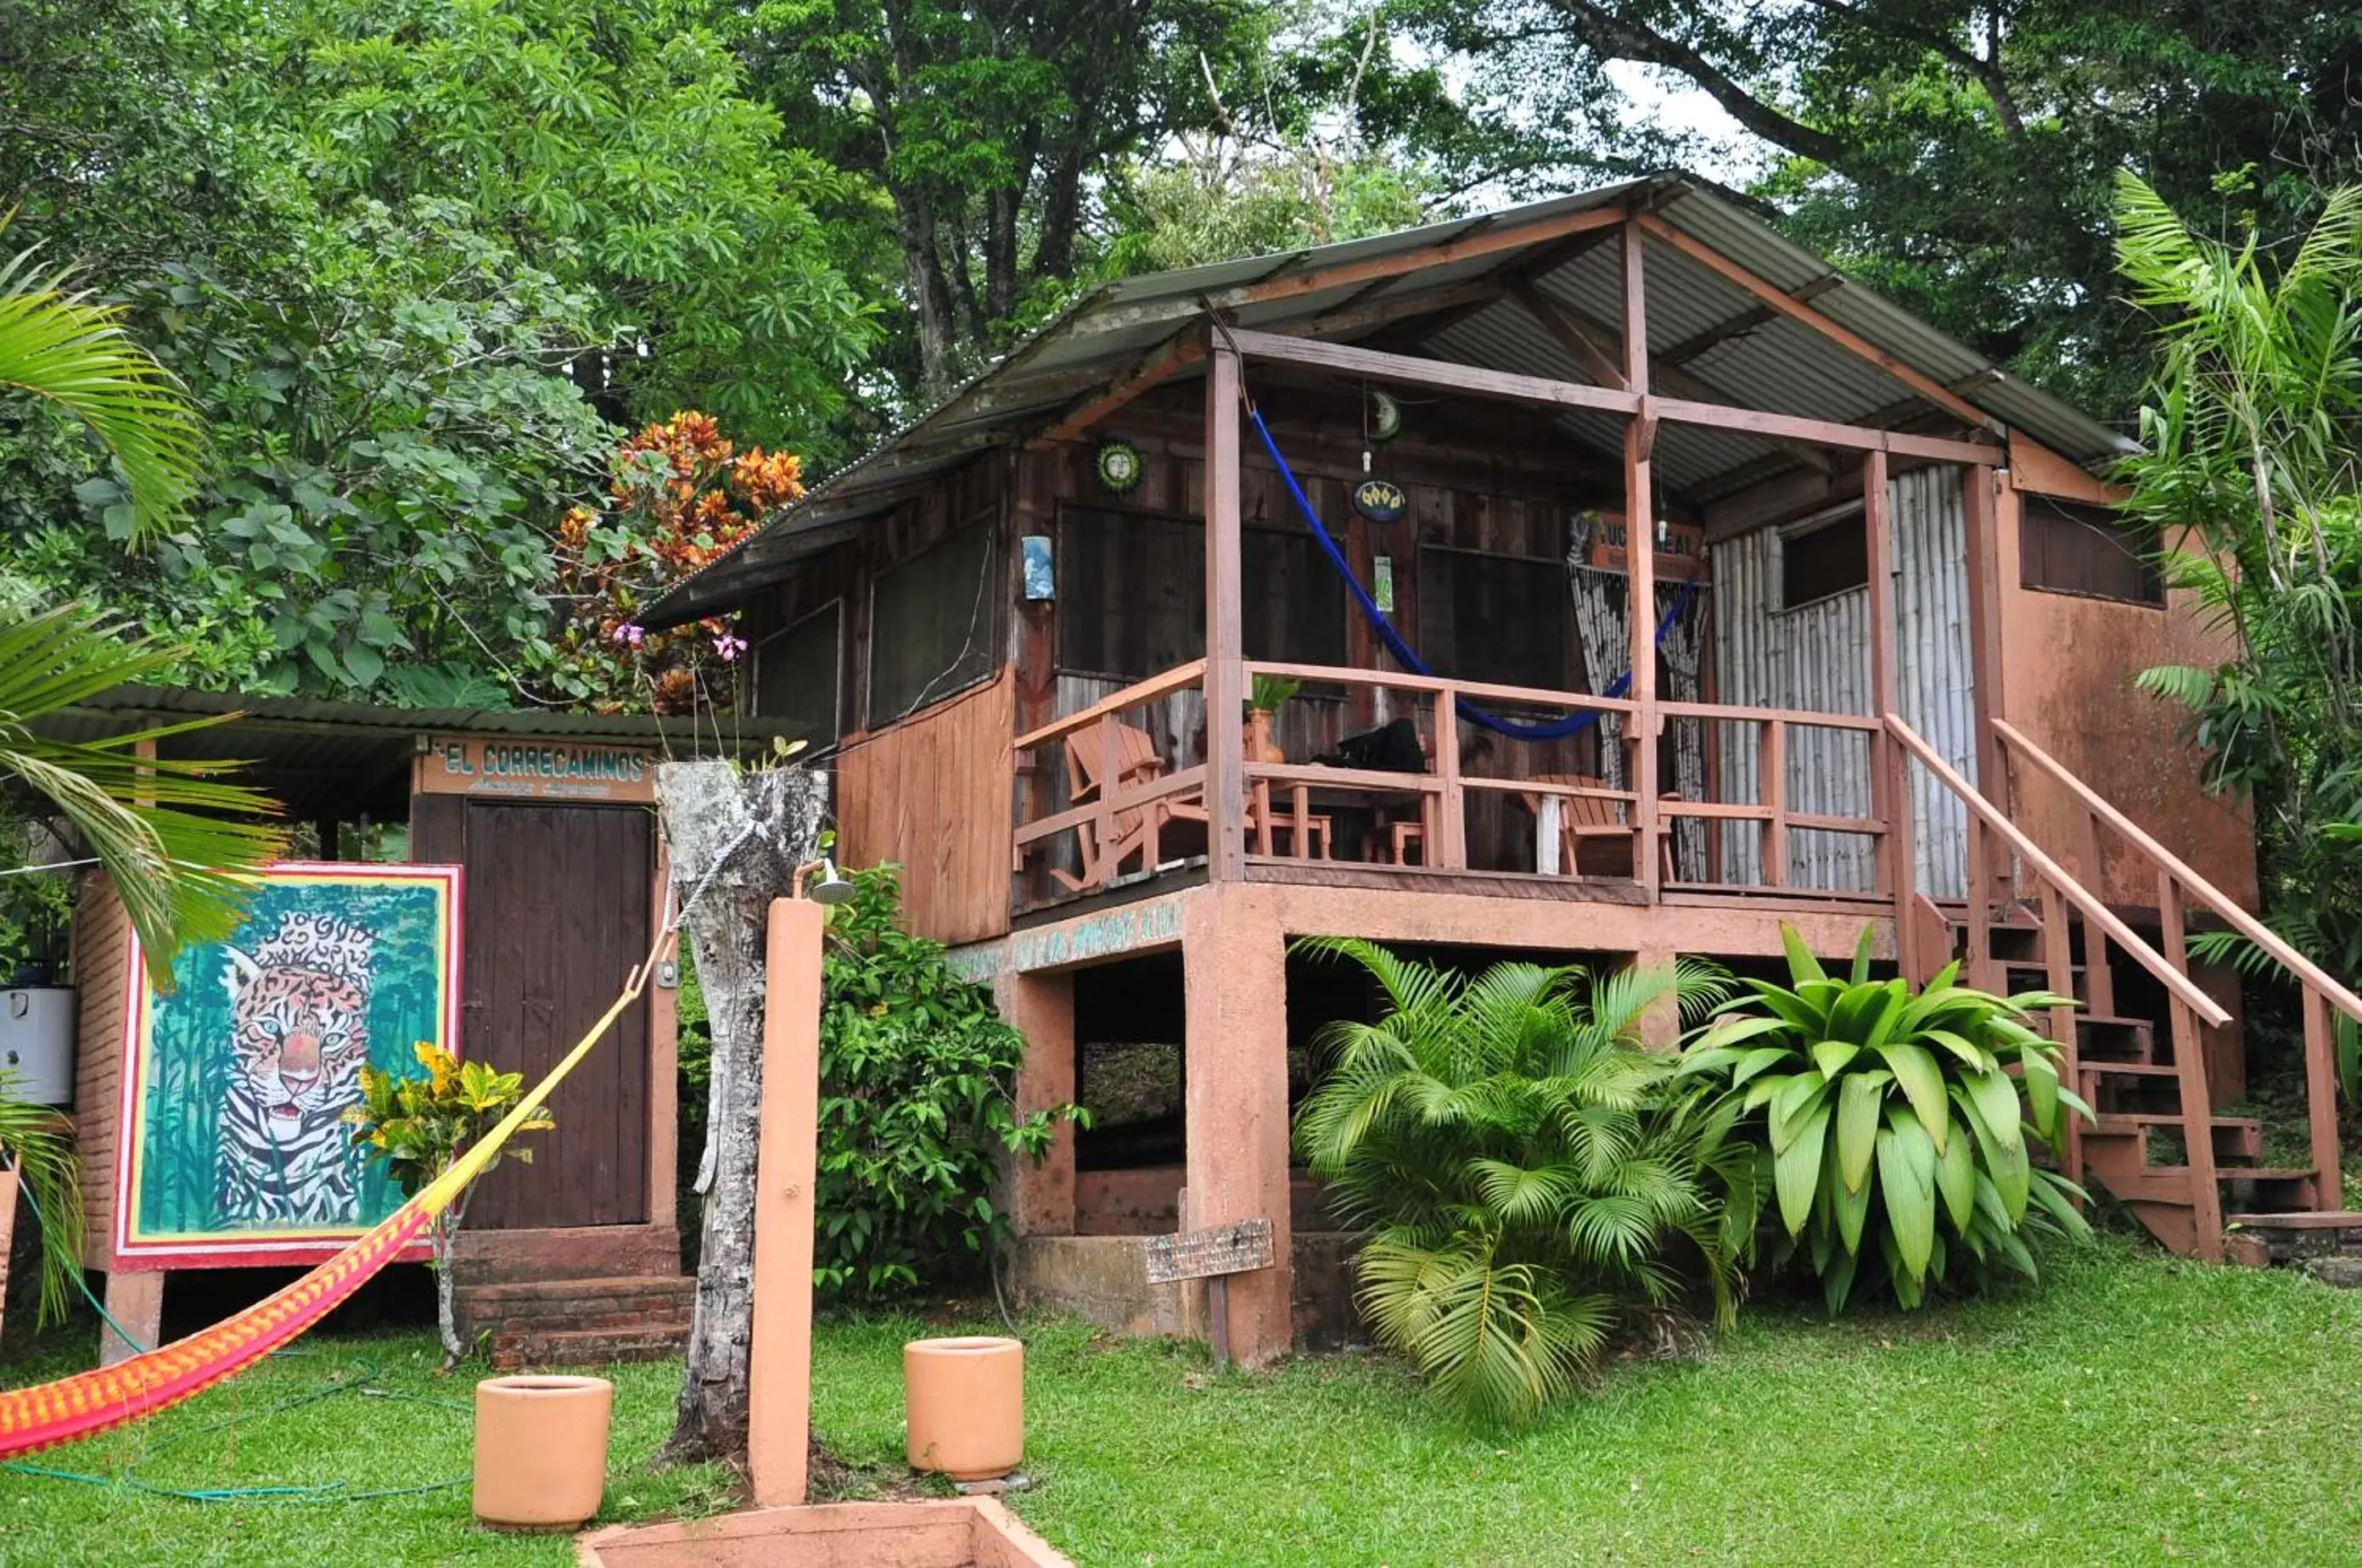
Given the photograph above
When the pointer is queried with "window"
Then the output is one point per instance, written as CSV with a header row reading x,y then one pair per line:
x,y
1829,560
796,677
1131,595
2067,548
1500,620
931,625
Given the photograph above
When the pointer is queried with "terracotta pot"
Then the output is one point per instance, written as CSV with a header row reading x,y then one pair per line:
x,y
967,1404
1259,745
541,1449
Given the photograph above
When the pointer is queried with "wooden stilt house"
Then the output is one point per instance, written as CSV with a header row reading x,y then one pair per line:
x,y
1681,588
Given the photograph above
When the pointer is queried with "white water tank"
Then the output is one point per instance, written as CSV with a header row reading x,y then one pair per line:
x,y
37,1043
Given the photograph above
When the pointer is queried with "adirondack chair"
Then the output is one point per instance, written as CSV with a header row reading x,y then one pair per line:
x,y
1136,829
1584,819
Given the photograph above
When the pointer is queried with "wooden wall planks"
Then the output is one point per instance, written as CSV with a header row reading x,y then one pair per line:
x,y
933,796
102,973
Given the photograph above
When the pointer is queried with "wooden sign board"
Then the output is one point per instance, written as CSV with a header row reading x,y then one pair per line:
x,y
1239,1248
516,768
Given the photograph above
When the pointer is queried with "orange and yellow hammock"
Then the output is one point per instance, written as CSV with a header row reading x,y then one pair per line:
x,y
87,1403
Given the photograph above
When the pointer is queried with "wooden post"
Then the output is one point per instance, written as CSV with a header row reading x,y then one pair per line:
x,y
2100,985
1640,562
1110,767
1985,632
1771,791
1225,639
137,1302
2321,1099
1890,770
2190,1073
2057,974
1448,850
778,1417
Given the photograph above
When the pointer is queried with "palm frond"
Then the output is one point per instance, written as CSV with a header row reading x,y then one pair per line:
x,y
71,349
34,1142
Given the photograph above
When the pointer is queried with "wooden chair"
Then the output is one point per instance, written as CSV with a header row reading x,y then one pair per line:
x,y
1265,821
1135,830
1586,820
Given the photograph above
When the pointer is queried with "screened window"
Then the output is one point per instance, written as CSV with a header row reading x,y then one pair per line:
x,y
1828,561
1131,595
796,674
1500,620
931,625
2070,549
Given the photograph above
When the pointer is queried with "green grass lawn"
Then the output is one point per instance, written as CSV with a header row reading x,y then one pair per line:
x,y
2135,1409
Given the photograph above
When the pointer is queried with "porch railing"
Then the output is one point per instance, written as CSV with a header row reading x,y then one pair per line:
x,y
1098,806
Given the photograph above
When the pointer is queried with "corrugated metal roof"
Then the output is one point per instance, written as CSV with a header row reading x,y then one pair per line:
x,y
1102,337
111,712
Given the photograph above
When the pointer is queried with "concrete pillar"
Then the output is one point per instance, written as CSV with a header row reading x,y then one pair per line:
x,y
1660,1024
1042,1008
137,1302
1233,962
778,1417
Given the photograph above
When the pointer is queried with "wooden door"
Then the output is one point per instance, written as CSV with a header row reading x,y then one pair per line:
x,y
556,910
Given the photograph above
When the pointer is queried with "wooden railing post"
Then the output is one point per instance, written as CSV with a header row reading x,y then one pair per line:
x,y
2099,983
1451,843
1640,562
2321,1099
1110,782
1771,791
2190,1073
2058,975
1225,642
1981,960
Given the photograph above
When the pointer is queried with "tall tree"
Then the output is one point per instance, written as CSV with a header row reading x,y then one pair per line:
x,y
1958,155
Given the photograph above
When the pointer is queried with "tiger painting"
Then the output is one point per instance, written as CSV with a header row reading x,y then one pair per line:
x,y
299,1015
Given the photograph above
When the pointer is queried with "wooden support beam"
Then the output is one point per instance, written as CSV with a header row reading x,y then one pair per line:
x,y
1360,314
1640,565
1484,240
1169,357
1225,639
1570,331
1477,381
1804,315
1891,784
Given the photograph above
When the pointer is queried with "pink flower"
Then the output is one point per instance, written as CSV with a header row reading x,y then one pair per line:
x,y
629,634
729,647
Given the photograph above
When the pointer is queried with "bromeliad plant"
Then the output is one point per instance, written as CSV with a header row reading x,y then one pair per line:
x,y
420,1126
1527,1169
1891,1126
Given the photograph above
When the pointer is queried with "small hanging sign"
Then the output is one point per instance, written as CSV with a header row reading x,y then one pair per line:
x,y
1382,582
1385,416
1119,466
1380,501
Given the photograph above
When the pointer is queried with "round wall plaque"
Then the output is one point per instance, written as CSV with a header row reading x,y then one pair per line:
x,y
1119,466
1380,501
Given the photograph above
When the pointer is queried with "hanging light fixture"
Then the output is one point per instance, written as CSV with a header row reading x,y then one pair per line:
x,y
832,888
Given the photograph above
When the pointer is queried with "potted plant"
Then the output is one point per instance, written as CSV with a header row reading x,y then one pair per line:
x,y
1264,698
37,1152
418,1127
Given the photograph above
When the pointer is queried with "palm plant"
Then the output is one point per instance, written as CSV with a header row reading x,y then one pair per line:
x,y
162,827
1525,1166
63,345
35,1144
1887,1119
170,832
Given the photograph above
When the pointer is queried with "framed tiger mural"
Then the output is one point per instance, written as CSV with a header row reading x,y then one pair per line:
x,y
235,1150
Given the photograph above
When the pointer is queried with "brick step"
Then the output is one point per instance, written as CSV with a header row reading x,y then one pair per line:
x,y
586,1347
500,1257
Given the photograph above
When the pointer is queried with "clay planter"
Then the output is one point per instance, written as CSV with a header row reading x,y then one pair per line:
x,y
967,1404
541,1451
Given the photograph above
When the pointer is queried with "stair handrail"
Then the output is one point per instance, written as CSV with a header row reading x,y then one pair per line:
x,y
2206,892
2180,985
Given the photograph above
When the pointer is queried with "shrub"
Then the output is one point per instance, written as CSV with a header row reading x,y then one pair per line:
x,y
38,1146
1888,1124
1529,1171
918,1108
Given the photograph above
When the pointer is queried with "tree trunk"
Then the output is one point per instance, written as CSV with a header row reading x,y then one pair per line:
x,y
738,838
447,1311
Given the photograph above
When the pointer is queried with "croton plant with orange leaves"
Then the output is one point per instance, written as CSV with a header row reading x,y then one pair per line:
x,y
680,494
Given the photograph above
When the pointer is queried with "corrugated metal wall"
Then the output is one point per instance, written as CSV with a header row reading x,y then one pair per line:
x,y
1817,658
1935,681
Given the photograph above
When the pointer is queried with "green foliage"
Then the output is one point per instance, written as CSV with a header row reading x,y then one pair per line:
x,y
1527,1169
917,1107
1888,1124
168,830
38,1146
1271,693
2250,475
417,1126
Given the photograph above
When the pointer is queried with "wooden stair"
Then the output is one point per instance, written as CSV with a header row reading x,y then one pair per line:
x,y
2155,1145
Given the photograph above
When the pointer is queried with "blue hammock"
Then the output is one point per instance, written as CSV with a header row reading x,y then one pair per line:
x,y
1551,729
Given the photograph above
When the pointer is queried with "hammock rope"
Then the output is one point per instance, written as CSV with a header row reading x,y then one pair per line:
x,y
1514,730
81,1406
